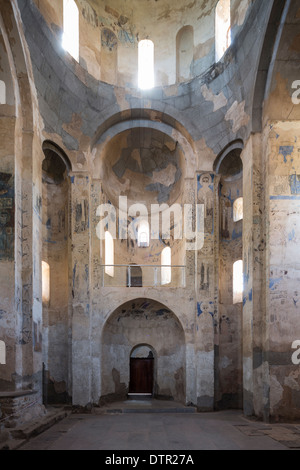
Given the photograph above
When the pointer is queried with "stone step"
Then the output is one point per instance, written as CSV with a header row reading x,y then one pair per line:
x,y
148,405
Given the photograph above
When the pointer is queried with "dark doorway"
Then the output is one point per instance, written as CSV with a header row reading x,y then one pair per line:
x,y
141,375
134,276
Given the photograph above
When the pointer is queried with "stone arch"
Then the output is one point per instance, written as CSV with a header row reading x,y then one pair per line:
x,y
265,61
229,168
55,214
18,172
143,321
231,153
163,120
56,165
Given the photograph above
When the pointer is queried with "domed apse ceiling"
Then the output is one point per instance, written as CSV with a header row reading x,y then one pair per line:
x,y
143,164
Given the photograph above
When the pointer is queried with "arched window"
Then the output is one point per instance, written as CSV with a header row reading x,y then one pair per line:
x,y
109,254
146,64
238,209
166,262
222,28
71,28
184,53
143,234
2,92
45,282
238,282
2,353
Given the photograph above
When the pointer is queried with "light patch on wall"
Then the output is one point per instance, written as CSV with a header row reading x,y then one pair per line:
x,y
237,115
219,101
238,209
2,92
242,10
165,176
166,266
109,254
2,353
45,282
238,282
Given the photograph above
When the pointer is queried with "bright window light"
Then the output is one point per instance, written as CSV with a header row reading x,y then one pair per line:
x,y
223,28
109,254
146,64
2,353
2,92
166,266
45,282
71,28
238,282
238,209
143,234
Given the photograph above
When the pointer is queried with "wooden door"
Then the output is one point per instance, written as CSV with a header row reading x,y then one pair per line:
x,y
141,375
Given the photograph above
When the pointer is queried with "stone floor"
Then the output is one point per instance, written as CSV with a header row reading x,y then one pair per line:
x,y
164,426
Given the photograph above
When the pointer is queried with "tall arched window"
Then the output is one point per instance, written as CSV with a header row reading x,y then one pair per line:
x,y
2,353
238,282
45,282
166,269
222,28
184,53
143,234
2,92
71,28
146,64
109,254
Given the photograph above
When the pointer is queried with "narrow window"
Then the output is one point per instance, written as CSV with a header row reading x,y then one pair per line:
x,y
2,353
146,64
109,254
71,28
143,234
238,282
238,209
222,28
2,92
166,266
45,282
184,53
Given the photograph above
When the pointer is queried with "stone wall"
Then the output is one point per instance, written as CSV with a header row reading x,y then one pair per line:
x,y
161,145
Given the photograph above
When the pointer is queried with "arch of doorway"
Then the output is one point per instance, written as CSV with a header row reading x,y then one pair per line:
x,y
143,322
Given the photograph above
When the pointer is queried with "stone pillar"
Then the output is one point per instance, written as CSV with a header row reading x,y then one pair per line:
x,y
255,366
205,293
81,318
282,154
96,291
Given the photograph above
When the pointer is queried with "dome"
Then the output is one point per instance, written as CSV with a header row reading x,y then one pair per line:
x,y
143,164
